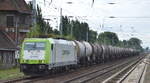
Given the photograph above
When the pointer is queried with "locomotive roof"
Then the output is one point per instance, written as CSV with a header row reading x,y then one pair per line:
x,y
53,41
61,41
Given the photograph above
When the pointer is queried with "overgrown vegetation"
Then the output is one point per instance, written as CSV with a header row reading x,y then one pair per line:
x,y
108,38
10,73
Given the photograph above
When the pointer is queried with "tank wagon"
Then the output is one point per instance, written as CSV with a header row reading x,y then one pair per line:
x,y
40,55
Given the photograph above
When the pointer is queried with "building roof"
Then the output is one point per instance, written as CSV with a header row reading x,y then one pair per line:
x,y
14,5
6,43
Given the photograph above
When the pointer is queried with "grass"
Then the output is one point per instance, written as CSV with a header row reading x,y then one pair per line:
x,y
10,73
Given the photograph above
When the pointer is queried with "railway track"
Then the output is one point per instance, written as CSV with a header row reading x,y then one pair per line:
x,y
100,73
115,78
103,70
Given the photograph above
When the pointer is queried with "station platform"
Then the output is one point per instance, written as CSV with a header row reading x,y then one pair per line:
x,y
147,73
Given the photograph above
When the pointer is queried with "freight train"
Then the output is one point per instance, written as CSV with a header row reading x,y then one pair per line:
x,y
40,55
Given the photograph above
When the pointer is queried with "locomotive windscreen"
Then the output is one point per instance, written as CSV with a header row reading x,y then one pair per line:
x,y
34,46
34,50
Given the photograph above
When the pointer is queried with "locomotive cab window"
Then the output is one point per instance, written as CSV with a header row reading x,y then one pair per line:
x,y
34,46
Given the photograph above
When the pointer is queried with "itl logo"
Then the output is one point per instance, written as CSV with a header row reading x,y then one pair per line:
x,y
65,52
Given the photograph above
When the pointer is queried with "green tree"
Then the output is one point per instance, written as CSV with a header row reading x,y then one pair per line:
x,y
123,43
41,27
66,25
147,49
34,32
44,26
56,32
92,36
84,31
109,38
135,43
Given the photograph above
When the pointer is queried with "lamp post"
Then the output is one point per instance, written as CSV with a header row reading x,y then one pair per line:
x,y
34,12
60,25
71,30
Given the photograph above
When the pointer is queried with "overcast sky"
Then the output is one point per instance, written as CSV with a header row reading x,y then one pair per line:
x,y
132,16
